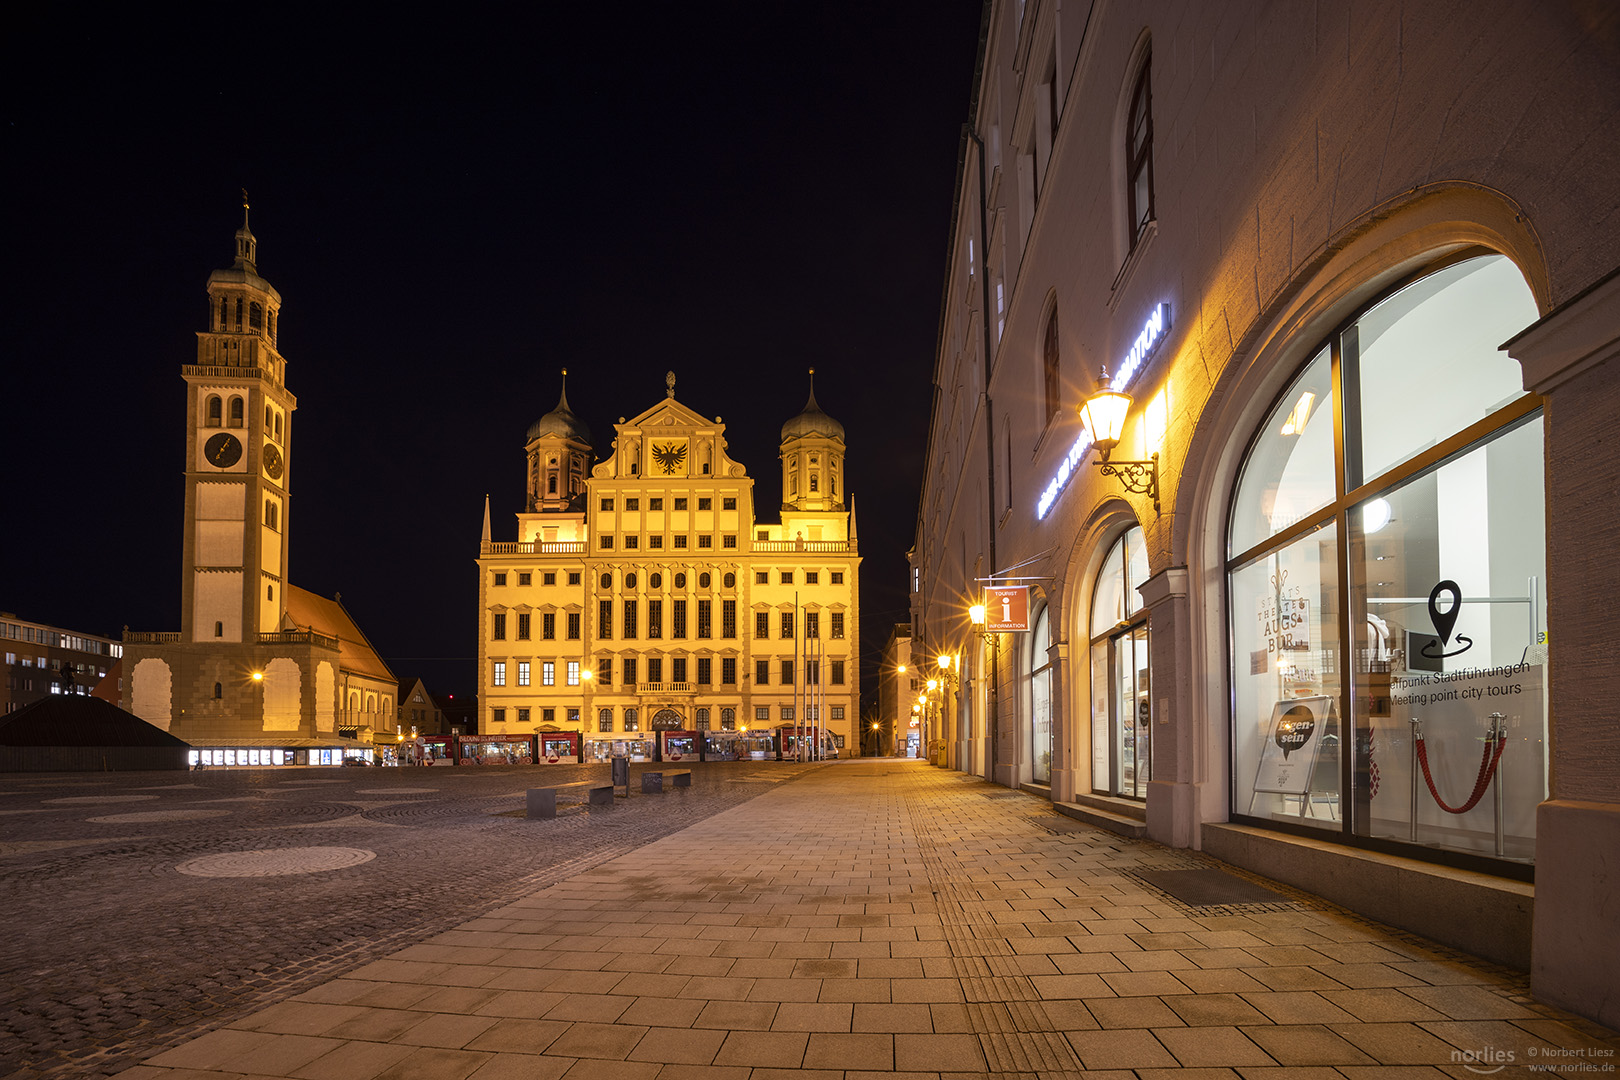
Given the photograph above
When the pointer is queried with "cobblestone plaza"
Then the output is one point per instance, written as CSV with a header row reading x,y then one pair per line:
x,y
869,917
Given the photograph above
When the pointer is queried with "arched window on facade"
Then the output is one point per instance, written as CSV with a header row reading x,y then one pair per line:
x,y
255,317
1121,676
703,719
1139,153
1050,384
237,412
604,720
219,691
224,313
1040,699
1433,519
728,719
216,410
271,316
239,313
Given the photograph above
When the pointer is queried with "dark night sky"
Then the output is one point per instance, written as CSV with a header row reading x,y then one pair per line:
x,y
452,212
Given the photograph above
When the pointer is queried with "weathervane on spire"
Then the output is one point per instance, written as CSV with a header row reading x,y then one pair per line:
x,y
669,384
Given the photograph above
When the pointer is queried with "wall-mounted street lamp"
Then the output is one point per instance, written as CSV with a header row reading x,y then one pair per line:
x,y
1103,417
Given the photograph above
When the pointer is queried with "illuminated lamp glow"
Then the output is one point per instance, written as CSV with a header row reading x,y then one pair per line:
x,y
1142,349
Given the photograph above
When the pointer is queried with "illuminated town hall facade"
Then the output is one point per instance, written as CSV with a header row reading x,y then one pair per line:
x,y
641,595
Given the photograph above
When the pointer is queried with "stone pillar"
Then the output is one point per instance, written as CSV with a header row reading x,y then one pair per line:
x,y
1567,358
1172,800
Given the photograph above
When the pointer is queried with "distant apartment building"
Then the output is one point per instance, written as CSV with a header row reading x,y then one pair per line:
x,y
43,660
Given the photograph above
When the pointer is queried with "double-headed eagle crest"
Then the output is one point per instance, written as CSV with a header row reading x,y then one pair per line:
x,y
670,456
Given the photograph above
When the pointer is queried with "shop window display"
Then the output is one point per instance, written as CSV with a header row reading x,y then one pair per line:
x,y
1121,689
1040,688
1386,615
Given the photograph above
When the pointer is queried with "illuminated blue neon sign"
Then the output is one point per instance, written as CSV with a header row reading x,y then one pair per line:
x,y
1142,350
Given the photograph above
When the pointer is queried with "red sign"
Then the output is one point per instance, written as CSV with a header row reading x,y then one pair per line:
x,y
1006,608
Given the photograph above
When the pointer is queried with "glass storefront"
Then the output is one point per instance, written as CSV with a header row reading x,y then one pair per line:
x,y
496,750
1387,549
1121,685
1040,690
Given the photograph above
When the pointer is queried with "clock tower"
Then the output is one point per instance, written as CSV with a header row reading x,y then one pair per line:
x,y
238,451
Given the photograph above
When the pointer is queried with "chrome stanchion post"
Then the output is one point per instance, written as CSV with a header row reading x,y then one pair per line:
x,y
1498,732
1417,735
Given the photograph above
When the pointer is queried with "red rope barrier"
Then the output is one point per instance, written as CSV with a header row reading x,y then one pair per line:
x,y
1487,769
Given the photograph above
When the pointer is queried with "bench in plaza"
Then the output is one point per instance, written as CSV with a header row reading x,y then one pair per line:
x,y
652,783
543,800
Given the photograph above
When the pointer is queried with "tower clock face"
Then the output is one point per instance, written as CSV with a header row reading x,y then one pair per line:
x,y
273,464
223,450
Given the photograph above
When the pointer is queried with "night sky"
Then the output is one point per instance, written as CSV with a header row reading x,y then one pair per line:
x,y
453,211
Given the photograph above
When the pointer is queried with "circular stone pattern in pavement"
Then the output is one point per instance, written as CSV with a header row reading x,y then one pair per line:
x,y
276,862
161,815
396,791
98,800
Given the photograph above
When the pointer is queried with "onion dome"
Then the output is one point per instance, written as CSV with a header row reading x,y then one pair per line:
x,y
812,421
560,421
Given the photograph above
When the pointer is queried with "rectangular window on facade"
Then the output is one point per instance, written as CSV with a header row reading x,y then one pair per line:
x,y
573,626
837,672
677,669
762,577
812,577
631,543
728,503
812,624
607,543
548,716
573,673
548,578
523,716
837,712
762,672
787,577
500,579
705,541
678,541
629,671
604,671
500,673
630,618
498,715
728,671
705,627
677,613
573,715
524,579
655,669
787,712
787,624
497,626
705,671
523,626
728,541
787,673
837,577
655,619
632,504
728,618
523,673
573,577
655,504
604,720
548,673
705,504
607,504
548,626
655,542
680,503
812,672
837,624
604,618
762,624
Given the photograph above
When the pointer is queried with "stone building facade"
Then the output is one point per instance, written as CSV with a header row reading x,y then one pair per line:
x,y
643,593
1356,268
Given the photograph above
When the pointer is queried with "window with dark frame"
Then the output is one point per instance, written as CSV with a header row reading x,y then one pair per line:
x,y
573,626
1139,154
762,672
1050,383
548,626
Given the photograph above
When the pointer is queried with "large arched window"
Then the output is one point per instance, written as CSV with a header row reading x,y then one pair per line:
x,y
1051,387
1040,700
1386,552
1121,677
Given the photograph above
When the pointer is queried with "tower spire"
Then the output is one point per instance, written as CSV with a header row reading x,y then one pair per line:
x,y
812,402
486,518
562,399
247,248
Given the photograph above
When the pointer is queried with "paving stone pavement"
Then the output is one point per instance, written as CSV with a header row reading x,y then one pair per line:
x,y
888,918
146,908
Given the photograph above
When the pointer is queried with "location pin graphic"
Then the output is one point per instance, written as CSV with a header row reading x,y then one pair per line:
x,y
1444,621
